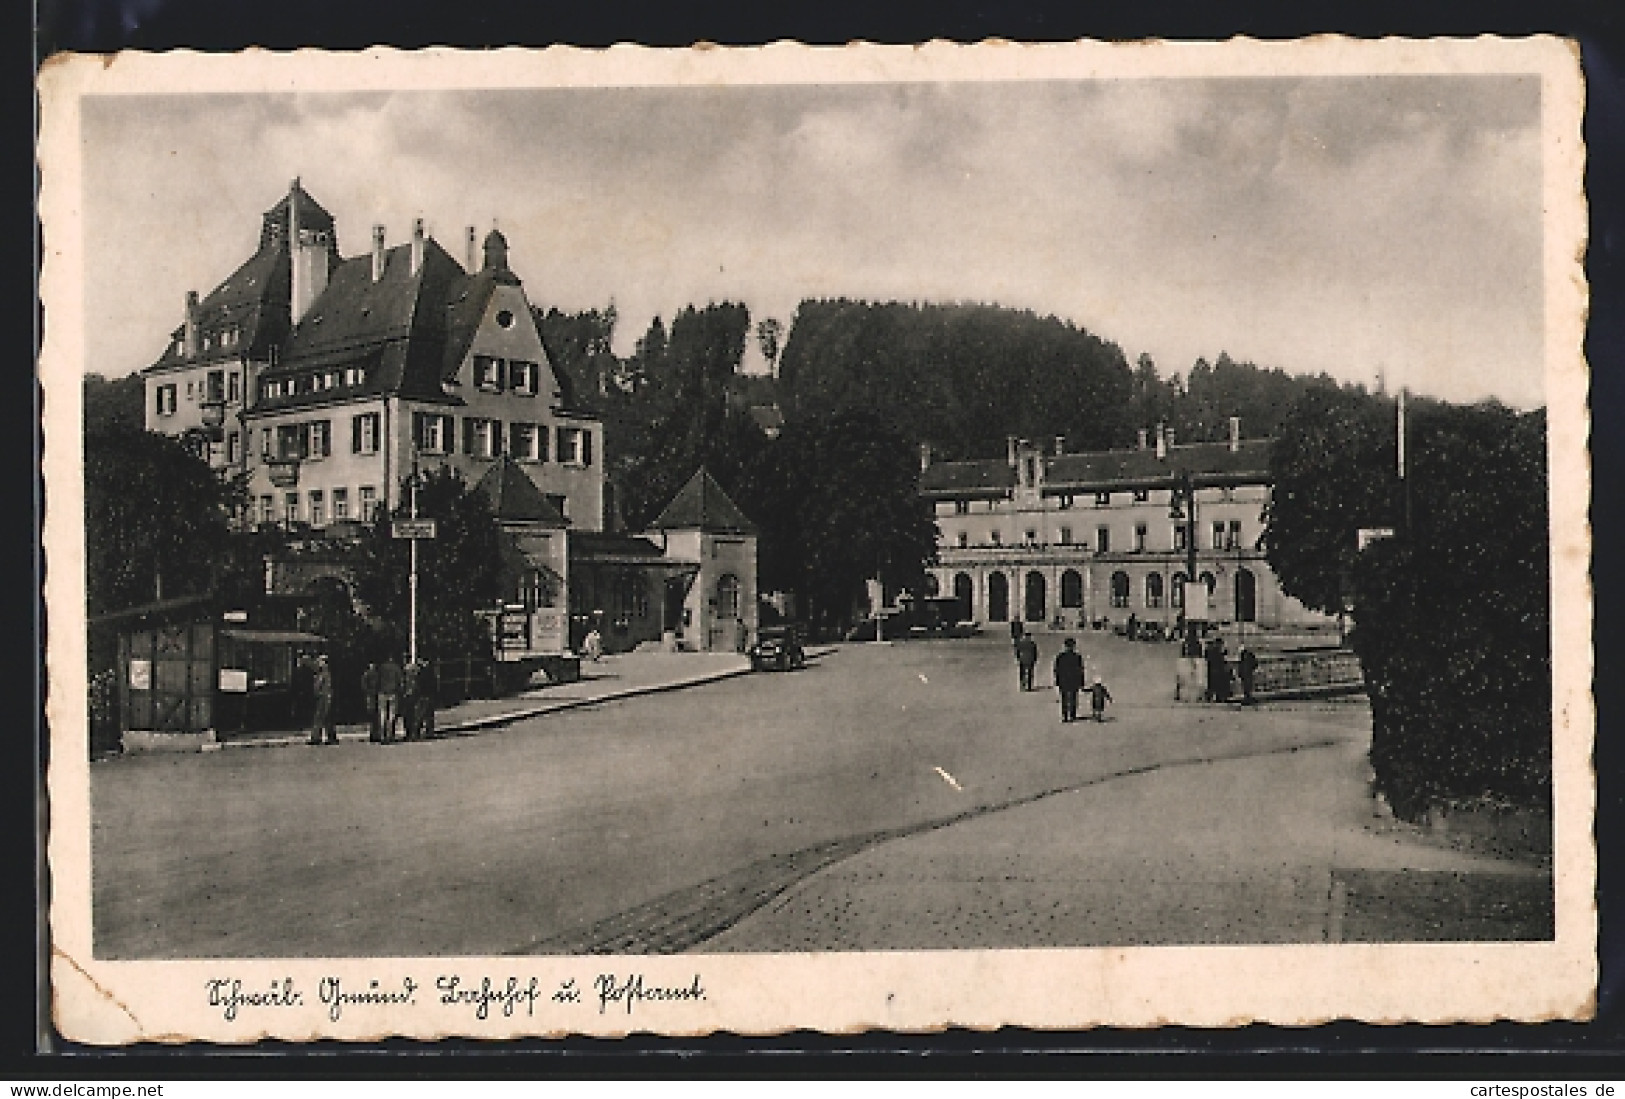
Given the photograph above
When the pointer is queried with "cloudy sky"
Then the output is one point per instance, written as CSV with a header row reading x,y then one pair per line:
x,y
1327,224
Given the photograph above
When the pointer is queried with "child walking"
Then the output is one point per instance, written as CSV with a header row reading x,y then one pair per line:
x,y
1098,697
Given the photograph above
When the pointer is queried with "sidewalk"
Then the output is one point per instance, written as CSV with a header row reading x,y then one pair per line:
x,y
1282,846
626,675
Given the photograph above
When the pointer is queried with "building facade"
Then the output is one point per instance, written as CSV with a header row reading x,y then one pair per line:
x,y
1071,540
329,381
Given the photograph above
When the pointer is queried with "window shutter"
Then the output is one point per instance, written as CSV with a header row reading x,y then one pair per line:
x,y
496,438
558,446
541,442
417,430
355,434
586,447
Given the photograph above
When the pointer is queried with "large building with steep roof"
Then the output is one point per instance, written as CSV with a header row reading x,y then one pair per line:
x,y
1074,539
328,380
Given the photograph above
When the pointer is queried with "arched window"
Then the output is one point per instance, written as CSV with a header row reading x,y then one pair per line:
x,y
998,598
1036,595
1246,596
1119,589
965,592
728,596
1153,589
1071,589
1177,594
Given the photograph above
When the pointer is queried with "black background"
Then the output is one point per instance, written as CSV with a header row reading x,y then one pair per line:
x,y
1578,1052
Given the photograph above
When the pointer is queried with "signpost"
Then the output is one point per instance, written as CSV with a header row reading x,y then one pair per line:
x,y
416,530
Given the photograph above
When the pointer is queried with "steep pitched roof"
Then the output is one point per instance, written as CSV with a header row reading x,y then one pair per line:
x,y
514,497
982,477
253,300
702,505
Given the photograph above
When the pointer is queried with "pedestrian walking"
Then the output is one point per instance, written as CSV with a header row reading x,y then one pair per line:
x,y
389,699
1247,663
369,698
593,644
1026,659
1098,697
1069,678
1218,671
321,720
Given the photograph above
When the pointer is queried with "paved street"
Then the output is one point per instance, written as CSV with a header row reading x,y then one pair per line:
x,y
886,797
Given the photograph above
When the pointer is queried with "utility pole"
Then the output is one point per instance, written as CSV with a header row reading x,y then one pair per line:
x,y
1399,454
412,582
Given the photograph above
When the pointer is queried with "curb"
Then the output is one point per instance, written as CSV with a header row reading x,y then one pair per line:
x,y
496,721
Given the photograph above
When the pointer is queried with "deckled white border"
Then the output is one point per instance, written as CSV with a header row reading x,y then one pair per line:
x,y
117,1002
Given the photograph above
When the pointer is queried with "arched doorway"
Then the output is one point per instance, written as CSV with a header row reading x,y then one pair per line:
x,y
1246,596
1153,590
998,598
1119,589
1034,609
1071,589
965,592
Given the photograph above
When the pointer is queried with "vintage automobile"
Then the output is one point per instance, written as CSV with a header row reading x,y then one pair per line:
x,y
777,648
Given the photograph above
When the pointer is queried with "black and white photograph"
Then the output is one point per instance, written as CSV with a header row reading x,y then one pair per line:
x,y
560,542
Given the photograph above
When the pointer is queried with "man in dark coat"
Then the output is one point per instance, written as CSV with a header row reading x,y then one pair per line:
x,y
1248,666
369,697
1026,659
1218,672
1069,679
321,719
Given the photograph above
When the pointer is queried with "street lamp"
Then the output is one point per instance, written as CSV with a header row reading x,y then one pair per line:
x,y
1183,506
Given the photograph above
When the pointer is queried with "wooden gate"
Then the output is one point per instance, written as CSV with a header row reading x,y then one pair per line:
x,y
167,678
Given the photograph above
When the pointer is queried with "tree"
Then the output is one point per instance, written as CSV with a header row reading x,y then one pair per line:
x,y
116,403
459,570
837,503
157,520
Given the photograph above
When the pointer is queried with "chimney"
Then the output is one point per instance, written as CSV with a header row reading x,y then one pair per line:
x,y
190,342
377,252
1140,434
1010,450
1235,434
925,457
417,245
1060,445
1162,443
473,263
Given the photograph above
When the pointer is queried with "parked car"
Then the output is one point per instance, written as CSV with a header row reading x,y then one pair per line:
x,y
777,647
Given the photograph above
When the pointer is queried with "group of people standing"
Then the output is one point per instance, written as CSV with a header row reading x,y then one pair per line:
x,y
396,693
1219,674
1068,671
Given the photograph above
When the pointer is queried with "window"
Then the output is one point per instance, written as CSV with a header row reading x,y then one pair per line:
x,y
289,442
560,502
355,375
961,507
1103,539
1119,589
522,377
364,433
1066,536
995,538
964,539
1141,495
527,442
321,438
318,508
1139,537
234,447
1064,501
215,386
290,508
164,400
432,432
1178,592
330,379
267,509
488,373
1032,471
1179,537
1232,539
482,438
234,386
1153,590
271,388
575,446
1102,499
191,391
1218,535
369,503
1071,589
341,504
1032,537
